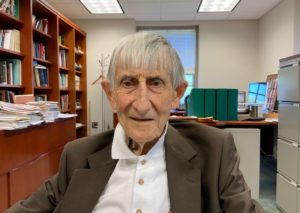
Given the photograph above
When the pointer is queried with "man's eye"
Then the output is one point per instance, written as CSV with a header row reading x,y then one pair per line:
x,y
156,83
128,83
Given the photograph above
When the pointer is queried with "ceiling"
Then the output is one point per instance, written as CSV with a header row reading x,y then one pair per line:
x,y
167,10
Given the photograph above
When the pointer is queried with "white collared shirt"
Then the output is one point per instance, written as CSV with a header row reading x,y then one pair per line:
x,y
139,183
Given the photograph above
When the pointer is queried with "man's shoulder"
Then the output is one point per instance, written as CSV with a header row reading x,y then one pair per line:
x,y
202,136
90,144
194,129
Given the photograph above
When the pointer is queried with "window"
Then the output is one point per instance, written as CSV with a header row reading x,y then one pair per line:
x,y
184,40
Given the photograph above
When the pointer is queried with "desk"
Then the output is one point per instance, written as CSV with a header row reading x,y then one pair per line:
x,y
268,130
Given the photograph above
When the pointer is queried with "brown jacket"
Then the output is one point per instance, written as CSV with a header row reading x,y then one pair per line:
x,y
202,168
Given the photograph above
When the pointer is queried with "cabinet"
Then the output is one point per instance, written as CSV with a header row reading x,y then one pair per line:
x,y
51,59
288,158
29,156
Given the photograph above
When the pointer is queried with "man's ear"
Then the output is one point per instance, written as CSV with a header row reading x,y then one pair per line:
x,y
179,92
108,91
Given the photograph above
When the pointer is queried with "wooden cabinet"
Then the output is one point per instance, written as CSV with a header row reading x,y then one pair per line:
x,y
29,156
52,59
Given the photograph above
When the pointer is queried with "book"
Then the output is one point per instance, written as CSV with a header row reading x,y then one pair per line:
x,y
22,99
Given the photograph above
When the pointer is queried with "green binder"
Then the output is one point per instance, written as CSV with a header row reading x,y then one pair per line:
x,y
195,103
222,104
232,104
210,103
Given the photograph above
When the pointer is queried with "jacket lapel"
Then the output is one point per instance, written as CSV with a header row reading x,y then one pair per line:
x,y
184,176
87,185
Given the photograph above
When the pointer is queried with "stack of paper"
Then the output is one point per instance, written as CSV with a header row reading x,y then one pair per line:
x,y
49,109
16,116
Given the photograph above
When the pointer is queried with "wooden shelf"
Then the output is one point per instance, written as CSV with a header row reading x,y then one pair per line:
x,y
42,88
63,47
4,86
6,53
10,22
40,34
42,61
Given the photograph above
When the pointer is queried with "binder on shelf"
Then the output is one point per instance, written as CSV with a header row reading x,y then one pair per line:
x,y
222,103
195,103
209,103
232,104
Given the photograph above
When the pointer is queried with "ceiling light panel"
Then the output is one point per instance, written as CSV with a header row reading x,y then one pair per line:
x,y
217,5
102,6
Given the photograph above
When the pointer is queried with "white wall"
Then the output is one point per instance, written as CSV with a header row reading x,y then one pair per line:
x,y
296,26
231,53
276,37
228,54
102,35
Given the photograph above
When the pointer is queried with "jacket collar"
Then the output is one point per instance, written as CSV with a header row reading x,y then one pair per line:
x,y
184,177
87,185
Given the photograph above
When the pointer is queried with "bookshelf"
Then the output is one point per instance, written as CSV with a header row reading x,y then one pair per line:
x,y
51,56
271,92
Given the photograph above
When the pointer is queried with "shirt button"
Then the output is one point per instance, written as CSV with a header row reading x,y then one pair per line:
x,y
143,162
138,211
141,181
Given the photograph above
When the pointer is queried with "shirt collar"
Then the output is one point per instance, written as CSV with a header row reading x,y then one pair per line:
x,y
120,149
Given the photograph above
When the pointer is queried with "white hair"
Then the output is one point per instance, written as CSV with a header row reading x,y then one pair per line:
x,y
148,51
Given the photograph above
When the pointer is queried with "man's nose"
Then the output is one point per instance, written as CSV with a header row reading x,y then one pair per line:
x,y
142,102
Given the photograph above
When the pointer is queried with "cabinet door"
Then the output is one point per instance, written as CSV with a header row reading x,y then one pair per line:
x,y
298,200
286,195
288,127
288,84
298,182
287,159
3,192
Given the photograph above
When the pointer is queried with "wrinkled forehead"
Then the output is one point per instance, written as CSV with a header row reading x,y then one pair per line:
x,y
147,59
142,74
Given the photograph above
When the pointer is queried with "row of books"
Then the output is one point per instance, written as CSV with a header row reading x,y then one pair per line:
x,y
40,97
7,96
10,7
40,50
63,81
10,72
64,103
40,23
77,82
61,39
10,39
62,58
40,75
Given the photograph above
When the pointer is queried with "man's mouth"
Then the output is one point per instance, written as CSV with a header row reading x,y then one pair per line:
x,y
141,119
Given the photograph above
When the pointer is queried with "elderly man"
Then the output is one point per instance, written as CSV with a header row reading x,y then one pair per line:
x,y
146,165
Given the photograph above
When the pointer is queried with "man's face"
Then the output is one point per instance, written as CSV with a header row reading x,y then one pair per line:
x,y
143,101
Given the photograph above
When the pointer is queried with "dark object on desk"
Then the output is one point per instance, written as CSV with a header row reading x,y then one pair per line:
x,y
254,119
